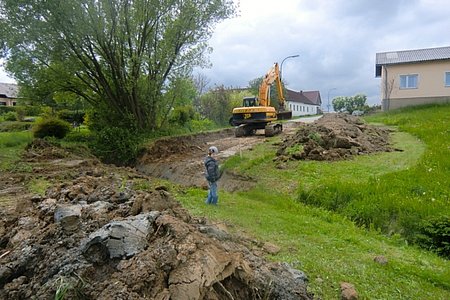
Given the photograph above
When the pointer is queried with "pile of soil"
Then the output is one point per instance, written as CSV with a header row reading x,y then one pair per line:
x,y
334,137
102,232
180,159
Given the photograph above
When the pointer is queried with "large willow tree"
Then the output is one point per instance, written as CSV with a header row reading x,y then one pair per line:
x,y
119,55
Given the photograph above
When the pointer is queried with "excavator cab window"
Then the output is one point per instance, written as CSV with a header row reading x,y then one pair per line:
x,y
249,101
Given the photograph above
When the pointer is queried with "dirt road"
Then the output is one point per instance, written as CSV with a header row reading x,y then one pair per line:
x,y
180,159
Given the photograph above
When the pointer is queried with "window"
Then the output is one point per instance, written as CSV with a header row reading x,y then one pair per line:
x,y
447,78
408,81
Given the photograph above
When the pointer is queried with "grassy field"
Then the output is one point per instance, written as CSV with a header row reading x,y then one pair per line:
x,y
332,219
11,146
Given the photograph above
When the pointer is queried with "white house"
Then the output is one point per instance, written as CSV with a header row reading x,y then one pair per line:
x,y
303,103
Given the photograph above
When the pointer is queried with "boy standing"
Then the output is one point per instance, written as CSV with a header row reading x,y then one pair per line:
x,y
212,175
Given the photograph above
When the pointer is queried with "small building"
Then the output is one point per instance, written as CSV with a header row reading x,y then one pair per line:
x,y
414,77
8,94
303,103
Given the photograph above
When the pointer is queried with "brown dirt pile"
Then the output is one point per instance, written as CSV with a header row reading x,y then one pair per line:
x,y
334,137
180,159
102,232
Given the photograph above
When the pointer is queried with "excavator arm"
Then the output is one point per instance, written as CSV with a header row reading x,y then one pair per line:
x,y
273,75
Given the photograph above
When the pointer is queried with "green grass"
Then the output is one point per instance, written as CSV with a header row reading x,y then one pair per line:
x,y
329,247
11,146
314,210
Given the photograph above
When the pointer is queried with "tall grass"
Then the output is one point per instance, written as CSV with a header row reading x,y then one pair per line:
x,y
11,146
331,218
14,139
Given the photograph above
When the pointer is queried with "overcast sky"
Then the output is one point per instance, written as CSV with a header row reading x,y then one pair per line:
x,y
336,41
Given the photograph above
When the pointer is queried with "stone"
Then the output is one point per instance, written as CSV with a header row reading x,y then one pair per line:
x,y
68,216
119,239
381,260
348,291
271,248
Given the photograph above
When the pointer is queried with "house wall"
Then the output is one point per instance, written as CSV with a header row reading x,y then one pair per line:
x,y
302,109
430,85
7,102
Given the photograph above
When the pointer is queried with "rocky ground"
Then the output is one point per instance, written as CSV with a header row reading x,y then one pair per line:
x,y
102,232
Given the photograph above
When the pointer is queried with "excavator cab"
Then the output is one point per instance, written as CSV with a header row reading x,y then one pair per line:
x,y
250,101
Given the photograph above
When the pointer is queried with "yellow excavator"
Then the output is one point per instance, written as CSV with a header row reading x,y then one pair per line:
x,y
257,112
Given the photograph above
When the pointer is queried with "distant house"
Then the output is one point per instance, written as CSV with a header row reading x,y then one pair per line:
x,y
8,94
303,103
414,77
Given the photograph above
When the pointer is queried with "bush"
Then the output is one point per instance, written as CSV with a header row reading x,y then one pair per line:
x,y
5,109
116,145
21,113
10,116
10,126
51,127
71,116
32,110
435,235
79,136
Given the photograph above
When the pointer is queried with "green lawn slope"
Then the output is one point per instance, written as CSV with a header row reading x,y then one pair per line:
x,y
331,219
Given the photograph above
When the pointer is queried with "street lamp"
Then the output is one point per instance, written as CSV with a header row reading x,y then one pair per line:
x,y
328,105
281,66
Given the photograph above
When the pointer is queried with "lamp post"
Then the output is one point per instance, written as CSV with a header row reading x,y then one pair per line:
x,y
281,66
328,105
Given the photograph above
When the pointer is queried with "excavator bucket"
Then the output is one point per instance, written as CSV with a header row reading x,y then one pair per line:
x,y
284,115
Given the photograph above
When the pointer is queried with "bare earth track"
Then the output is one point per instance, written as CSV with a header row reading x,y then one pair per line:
x,y
102,232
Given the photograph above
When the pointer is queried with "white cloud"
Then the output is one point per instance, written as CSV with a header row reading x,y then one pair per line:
x,y
336,39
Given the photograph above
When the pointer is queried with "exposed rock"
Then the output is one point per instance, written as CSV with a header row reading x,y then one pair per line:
x,y
380,259
271,248
120,239
68,216
348,291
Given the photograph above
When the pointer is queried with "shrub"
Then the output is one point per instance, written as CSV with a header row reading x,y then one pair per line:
x,y
201,125
5,109
51,127
10,116
71,116
116,145
21,112
10,126
32,110
79,136
435,235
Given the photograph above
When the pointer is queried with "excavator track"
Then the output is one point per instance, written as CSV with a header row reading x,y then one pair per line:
x,y
273,129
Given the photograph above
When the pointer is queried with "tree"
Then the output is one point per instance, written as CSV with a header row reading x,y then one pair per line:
x,y
349,104
118,55
216,105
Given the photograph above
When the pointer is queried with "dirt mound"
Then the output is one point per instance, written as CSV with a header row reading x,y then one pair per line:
x,y
172,147
180,159
109,233
334,137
